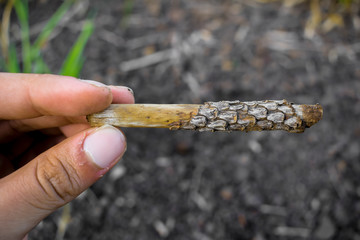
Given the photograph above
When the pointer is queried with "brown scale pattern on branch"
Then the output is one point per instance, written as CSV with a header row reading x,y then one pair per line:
x,y
253,116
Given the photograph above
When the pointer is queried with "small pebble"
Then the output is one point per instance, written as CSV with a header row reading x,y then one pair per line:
x,y
326,228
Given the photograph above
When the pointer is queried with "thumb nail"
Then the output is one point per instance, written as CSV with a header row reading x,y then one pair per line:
x,y
94,83
105,145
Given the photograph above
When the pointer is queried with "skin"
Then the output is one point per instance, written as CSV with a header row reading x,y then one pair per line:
x,y
43,127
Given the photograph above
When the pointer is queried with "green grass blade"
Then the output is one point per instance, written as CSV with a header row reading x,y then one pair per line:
x,y
40,66
21,9
12,65
50,25
74,60
76,72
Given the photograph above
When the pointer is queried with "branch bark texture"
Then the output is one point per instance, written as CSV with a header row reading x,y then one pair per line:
x,y
213,116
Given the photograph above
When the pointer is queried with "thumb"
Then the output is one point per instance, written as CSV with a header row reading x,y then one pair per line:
x,y
56,177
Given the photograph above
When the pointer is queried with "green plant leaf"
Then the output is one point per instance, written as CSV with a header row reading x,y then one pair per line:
x,y
13,65
74,60
21,10
40,66
79,67
43,37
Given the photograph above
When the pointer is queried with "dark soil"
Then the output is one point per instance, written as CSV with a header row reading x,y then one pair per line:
x,y
190,185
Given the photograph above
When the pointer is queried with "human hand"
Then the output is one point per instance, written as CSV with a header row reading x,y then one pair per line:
x,y
48,152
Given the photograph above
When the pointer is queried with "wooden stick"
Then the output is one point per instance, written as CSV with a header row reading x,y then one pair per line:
x,y
212,116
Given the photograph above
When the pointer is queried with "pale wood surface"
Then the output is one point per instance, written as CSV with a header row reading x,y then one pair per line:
x,y
144,115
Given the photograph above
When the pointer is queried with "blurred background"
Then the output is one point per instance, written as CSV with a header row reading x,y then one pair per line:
x,y
208,186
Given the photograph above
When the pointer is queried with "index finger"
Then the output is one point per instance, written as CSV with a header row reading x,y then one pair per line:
x,y
34,95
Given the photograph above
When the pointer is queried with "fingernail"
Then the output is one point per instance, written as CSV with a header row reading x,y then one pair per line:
x,y
95,83
126,88
105,146
130,90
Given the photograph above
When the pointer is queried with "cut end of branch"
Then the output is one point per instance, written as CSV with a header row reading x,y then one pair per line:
x,y
312,114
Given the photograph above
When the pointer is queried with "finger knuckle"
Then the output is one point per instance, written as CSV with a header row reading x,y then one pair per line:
x,y
58,180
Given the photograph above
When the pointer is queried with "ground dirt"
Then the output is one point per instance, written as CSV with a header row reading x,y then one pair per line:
x,y
203,186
